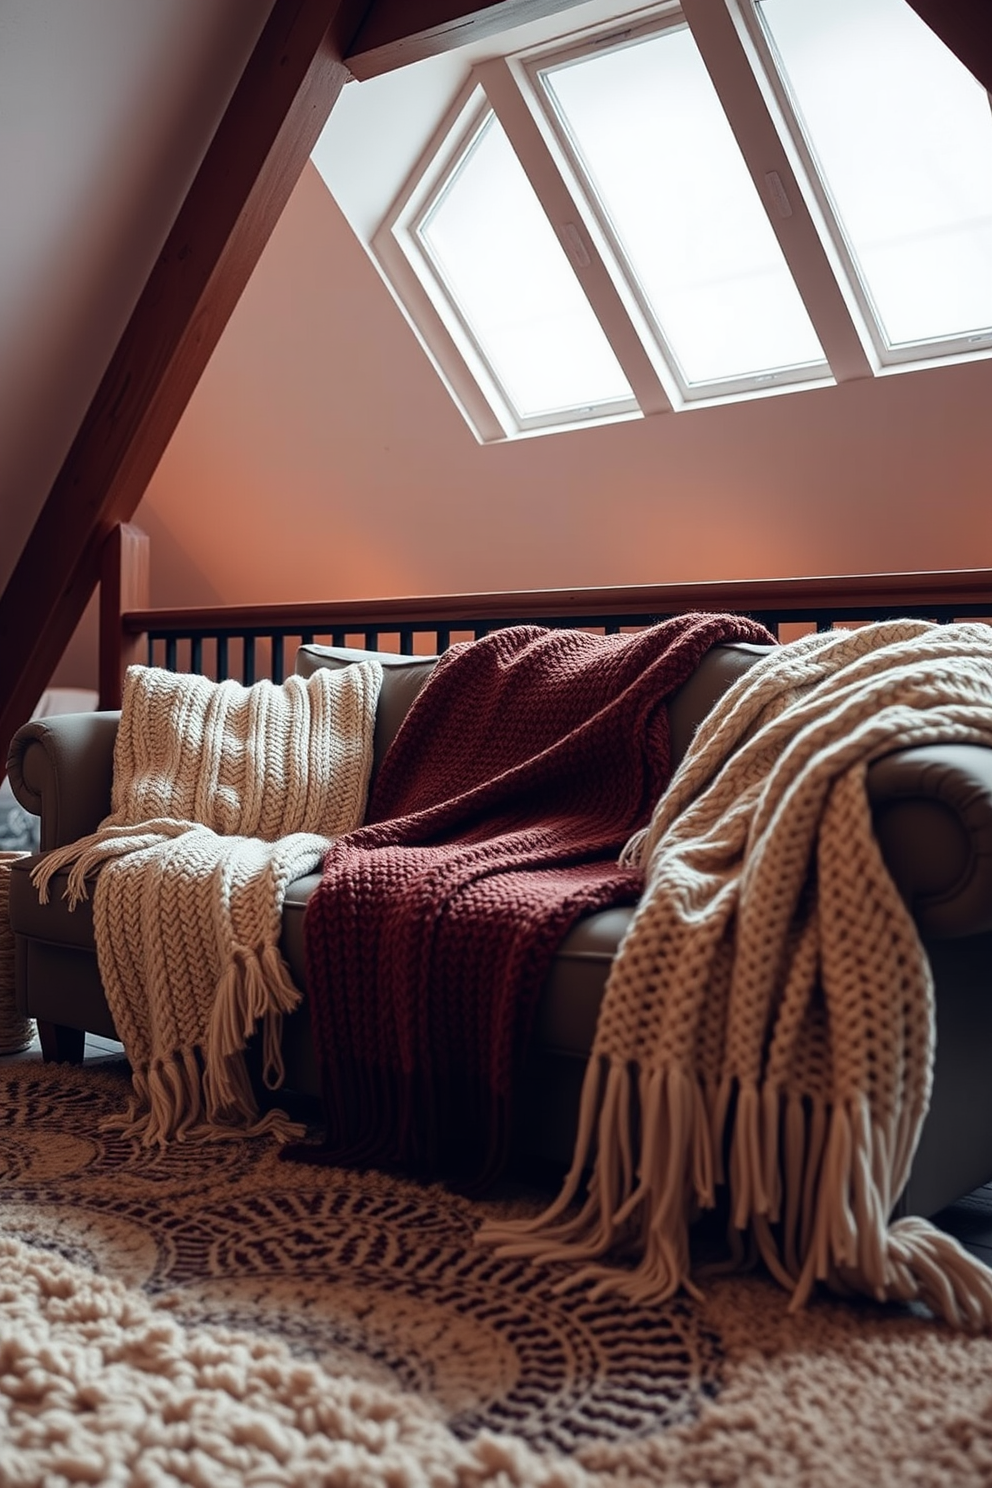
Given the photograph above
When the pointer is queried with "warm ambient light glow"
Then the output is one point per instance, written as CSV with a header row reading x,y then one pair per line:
x,y
660,156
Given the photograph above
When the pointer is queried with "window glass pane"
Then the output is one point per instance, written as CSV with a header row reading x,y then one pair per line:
x,y
648,128
902,134
505,268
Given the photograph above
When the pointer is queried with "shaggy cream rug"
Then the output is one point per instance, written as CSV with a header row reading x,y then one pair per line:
x,y
211,1316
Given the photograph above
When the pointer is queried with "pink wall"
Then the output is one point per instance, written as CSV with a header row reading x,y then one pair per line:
x,y
322,458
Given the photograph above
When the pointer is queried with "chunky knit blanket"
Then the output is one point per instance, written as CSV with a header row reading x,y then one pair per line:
x,y
495,822
222,796
771,1004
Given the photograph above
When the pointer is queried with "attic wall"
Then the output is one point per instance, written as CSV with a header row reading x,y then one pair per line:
x,y
321,458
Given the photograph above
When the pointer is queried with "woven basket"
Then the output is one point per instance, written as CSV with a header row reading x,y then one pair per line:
x,y
16,1032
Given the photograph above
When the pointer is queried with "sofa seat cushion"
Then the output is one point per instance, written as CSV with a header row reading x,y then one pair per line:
x,y
565,1019
291,940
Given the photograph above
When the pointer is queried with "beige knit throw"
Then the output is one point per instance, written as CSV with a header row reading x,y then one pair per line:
x,y
771,1000
222,796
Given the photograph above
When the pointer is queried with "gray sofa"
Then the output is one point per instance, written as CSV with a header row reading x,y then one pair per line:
x,y
933,816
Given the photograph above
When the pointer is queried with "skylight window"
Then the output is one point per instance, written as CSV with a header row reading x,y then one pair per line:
x,y
721,200
659,156
494,249
902,136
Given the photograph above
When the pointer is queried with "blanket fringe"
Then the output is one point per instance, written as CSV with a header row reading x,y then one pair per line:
x,y
255,988
644,1206
170,1104
88,854
207,1092
853,1246
828,1168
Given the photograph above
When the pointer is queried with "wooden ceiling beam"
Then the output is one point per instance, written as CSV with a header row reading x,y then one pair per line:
x,y
966,27
396,32
261,146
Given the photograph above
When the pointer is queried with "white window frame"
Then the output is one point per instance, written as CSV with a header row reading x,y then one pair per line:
x,y
528,67
446,331
736,50
614,305
453,352
886,356
779,173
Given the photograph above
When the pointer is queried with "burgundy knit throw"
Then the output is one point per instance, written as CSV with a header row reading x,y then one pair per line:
x,y
522,768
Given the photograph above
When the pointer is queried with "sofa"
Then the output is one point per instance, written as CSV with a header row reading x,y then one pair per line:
x,y
932,813
19,828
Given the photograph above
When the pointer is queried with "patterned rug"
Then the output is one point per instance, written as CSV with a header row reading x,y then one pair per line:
x,y
212,1315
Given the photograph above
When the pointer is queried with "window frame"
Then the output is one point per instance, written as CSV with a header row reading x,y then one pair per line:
x,y
737,49
669,17
454,347
887,356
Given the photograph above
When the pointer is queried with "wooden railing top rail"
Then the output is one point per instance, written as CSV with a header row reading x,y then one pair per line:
x,y
250,641
956,589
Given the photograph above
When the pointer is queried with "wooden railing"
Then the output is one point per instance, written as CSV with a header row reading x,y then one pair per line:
x,y
249,642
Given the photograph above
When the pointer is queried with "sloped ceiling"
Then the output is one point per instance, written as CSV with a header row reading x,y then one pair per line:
x,y
281,99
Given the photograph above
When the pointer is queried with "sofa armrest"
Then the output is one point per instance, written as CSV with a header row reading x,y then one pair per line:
x,y
932,807
62,769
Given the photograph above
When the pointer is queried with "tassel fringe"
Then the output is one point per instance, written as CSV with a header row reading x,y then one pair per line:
x,y
174,1100
827,1176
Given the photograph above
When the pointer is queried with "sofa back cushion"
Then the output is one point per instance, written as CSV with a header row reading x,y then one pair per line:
x,y
717,671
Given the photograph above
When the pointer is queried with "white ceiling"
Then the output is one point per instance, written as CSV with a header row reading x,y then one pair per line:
x,y
106,109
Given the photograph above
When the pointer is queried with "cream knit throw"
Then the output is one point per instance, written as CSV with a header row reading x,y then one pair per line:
x,y
771,999
222,796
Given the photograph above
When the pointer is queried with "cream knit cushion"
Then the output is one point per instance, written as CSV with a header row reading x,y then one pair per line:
x,y
772,992
222,796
